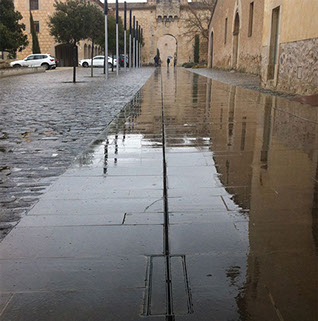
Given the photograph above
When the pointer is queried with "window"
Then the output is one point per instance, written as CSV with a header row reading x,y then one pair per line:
x,y
34,4
251,17
30,57
225,30
37,26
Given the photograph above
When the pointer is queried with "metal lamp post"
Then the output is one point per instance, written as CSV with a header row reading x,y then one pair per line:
x,y
125,32
106,40
137,45
134,43
130,15
117,44
141,47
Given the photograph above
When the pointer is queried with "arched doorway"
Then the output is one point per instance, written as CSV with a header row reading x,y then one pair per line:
x,y
211,49
85,51
89,51
168,47
236,32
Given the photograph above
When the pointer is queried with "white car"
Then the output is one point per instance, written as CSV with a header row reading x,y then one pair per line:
x,y
36,60
98,61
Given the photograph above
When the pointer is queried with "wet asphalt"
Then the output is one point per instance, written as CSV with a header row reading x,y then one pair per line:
x,y
198,202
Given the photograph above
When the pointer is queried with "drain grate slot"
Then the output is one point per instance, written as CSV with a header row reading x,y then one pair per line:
x,y
156,301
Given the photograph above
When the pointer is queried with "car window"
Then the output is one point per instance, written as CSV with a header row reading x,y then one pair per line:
x,y
37,57
30,58
43,56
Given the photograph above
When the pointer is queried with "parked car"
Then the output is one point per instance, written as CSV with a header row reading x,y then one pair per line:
x,y
36,60
98,61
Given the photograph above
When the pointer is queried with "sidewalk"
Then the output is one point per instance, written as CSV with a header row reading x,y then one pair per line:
x,y
184,209
240,79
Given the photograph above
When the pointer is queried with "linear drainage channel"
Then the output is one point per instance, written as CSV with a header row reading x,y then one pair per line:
x,y
167,285
156,299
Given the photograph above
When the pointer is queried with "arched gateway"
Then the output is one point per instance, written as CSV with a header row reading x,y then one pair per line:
x,y
167,46
164,24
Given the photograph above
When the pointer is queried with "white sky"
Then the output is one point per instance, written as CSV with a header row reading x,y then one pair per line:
x,y
109,1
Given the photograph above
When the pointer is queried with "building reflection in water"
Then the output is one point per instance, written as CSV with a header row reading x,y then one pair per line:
x,y
261,153
264,161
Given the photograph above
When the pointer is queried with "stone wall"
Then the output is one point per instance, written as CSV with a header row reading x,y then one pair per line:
x,y
46,41
249,45
157,22
297,69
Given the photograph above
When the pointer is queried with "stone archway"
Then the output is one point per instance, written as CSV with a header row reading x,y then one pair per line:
x,y
168,47
85,51
236,33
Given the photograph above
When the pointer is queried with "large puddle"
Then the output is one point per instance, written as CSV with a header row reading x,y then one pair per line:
x,y
242,193
240,207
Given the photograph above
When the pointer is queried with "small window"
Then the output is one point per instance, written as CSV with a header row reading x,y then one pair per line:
x,y
251,17
34,4
37,26
225,30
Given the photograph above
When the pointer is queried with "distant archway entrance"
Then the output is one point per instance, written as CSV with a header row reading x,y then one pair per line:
x,y
236,32
64,54
168,47
211,52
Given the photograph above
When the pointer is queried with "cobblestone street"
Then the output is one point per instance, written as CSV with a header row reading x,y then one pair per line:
x,y
45,122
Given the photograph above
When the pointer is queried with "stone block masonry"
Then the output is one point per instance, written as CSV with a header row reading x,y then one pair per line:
x,y
298,67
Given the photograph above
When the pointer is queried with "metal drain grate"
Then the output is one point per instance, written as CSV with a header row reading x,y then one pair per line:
x,y
156,301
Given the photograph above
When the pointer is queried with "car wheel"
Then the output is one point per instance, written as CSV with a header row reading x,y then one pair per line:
x,y
85,64
16,66
46,66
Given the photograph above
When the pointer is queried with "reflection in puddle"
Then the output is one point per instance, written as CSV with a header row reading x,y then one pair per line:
x,y
243,195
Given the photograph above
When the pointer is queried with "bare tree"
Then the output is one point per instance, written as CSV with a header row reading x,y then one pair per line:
x,y
197,21
198,18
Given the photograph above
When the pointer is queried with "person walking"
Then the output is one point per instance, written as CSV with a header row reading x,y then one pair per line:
x,y
168,62
156,61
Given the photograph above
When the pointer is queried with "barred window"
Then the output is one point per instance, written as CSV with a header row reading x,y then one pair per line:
x,y
34,4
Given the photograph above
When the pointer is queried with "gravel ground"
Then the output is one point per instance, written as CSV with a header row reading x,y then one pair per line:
x,y
45,122
239,79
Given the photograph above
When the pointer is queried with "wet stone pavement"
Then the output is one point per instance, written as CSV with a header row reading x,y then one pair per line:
x,y
47,121
199,203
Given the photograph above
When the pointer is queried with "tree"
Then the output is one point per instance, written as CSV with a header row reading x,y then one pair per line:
x,y
198,19
70,24
12,37
35,41
196,49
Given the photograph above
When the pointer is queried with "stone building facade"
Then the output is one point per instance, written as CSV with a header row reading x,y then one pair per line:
x,y
41,10
290,46
164,24
235,35
276,39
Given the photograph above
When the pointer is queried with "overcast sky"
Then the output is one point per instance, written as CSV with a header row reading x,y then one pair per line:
x,y
126,1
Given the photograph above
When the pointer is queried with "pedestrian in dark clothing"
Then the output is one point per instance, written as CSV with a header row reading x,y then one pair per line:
x,y
168,62
156,61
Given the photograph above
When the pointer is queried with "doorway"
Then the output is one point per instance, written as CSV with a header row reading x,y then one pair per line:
x,y
211,52
236,32
167,46
64,54
273,46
